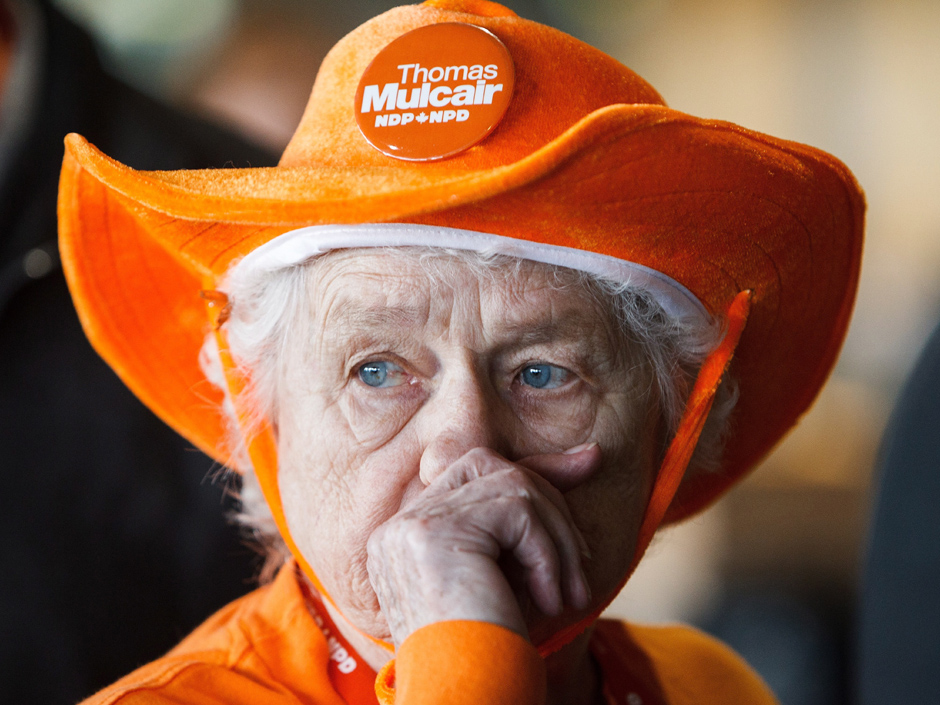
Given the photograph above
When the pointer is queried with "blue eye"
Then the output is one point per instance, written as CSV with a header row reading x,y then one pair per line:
x,y
541,375
381,374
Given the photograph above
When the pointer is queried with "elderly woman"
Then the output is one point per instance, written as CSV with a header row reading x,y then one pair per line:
x,y
466,345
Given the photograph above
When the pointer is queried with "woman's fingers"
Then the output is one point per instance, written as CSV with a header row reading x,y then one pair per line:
x,y
533,517
536,548
483,481
553,474
439,562
563,581
439,557
566,470
429,566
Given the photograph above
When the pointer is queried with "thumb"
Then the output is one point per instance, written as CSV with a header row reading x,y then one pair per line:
x,y
568,469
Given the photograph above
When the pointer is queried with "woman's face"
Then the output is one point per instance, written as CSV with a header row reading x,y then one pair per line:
x,y
402,368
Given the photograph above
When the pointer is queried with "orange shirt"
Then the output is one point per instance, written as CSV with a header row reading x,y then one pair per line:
x,y
272,647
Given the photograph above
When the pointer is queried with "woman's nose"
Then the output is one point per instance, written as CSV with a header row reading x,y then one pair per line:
x,y
465,415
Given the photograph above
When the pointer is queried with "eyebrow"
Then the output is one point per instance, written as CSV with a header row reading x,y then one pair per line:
x,y
356,319
353,320
569,326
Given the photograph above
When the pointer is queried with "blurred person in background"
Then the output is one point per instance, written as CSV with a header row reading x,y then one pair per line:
x,y
898,644
386,401
115,540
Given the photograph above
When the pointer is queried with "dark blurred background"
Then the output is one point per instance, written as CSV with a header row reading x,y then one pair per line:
x,y
774,569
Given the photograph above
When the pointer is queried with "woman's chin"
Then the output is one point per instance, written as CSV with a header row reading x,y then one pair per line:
x,y
373,625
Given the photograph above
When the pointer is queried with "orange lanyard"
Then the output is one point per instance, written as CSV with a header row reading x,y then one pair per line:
x,y
349,675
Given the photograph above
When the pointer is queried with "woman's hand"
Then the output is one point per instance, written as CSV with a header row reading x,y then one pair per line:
x,y
439,558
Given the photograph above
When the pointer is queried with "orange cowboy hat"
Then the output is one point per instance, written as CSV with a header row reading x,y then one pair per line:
x,y
579,154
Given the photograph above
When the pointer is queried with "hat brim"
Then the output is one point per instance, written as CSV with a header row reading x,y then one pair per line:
x,y
718,208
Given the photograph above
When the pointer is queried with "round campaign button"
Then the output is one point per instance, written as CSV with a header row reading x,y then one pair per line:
x,y
434,91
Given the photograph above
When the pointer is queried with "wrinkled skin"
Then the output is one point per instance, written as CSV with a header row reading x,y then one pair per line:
x,y
422,464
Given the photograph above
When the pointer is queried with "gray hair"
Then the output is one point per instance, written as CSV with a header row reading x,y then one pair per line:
x,y
265,305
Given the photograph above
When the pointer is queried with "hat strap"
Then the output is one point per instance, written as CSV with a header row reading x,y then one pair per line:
x,y
677,456
262,453
696,412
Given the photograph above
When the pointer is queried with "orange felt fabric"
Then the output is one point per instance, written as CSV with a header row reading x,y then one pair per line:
x,y
677,456
673,665
263,648
716,207
266,649
551,70
587,156
468,663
